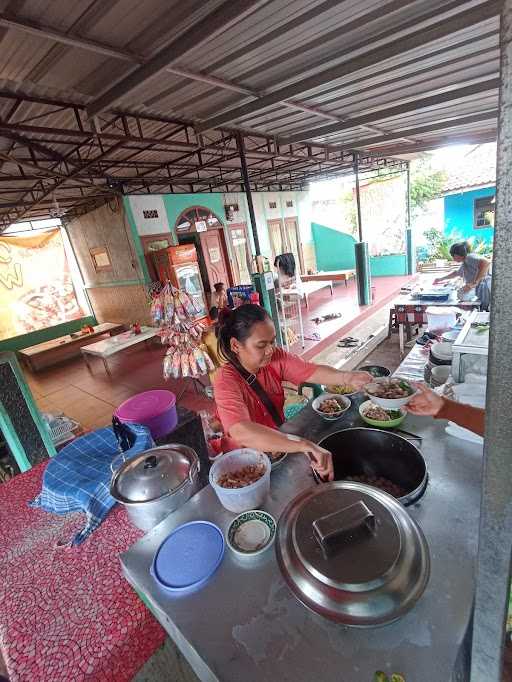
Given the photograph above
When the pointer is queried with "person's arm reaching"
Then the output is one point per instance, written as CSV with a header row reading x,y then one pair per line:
x,y
249,434
324,374
451,275
429,403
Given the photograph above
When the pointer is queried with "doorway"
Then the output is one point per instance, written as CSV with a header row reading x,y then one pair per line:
x,y
199,226
285,238
293,243
241,253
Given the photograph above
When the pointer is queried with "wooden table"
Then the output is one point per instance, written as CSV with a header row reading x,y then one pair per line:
x,y
108,347
331,276
48,353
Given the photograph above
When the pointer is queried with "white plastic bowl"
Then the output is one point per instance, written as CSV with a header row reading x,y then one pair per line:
x,y
343,401
390,403
251,496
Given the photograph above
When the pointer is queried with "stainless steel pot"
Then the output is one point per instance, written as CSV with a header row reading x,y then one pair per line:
x,y
155,483
352,554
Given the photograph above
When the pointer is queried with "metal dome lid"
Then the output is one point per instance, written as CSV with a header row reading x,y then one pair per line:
x,y
352,553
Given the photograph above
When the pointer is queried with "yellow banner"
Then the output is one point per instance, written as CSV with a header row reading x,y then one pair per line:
x,y
36,289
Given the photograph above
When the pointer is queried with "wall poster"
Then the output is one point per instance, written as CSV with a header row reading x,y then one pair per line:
x,y
36,289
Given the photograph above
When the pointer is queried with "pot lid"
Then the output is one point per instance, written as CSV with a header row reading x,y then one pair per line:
x,y
154,473
352,553
146,405
189,556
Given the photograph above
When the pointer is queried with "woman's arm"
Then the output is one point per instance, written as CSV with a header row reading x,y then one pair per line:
x,y
252,435
324,374
483,268
451,275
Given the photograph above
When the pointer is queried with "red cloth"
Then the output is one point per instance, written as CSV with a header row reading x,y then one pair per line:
x,y
237,402
67,613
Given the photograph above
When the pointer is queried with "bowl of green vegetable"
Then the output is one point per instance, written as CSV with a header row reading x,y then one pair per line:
x,y
374,415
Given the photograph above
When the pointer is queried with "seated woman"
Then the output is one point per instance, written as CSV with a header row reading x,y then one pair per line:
x,y
248,391
474,270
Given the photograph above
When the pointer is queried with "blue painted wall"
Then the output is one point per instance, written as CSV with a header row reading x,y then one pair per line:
x,y
459,212
335,251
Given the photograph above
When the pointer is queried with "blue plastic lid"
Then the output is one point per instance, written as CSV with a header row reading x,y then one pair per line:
x,y
189,556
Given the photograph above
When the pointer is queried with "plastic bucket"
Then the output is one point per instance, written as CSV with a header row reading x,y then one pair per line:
x,y
241,499
440,318
155,409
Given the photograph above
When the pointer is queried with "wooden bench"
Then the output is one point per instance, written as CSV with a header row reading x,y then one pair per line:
x,y
50,352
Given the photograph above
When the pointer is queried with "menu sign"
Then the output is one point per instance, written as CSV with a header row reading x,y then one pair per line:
x,y
36,289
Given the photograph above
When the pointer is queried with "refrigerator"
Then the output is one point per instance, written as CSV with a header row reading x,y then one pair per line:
x,y
179,266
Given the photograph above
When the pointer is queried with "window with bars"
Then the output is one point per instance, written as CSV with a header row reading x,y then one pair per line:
x,y
272,204
483,212
289,203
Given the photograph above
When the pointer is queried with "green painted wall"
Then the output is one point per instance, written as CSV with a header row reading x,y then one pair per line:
x,y
177,203
335,251
384,266
33,338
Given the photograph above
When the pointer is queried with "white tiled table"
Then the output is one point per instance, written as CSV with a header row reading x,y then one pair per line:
x,y
115,344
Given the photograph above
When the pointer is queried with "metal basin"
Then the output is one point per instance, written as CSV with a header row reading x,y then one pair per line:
x,y
376,453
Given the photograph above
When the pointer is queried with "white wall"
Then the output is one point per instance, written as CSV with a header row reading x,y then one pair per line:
x,y
149,202
300,208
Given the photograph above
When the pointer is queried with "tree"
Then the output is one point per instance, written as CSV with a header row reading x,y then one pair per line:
x,y
426,183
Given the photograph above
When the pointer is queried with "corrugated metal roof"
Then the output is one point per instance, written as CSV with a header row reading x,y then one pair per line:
x,y
301,70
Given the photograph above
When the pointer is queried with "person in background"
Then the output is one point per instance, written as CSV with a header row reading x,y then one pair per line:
x,y
428,403
474,270
248,389
288,277
209,339
219,296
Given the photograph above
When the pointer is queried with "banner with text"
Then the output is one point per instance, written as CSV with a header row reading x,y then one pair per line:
x,y
36,289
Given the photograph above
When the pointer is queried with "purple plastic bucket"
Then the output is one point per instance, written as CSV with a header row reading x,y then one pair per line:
x,y
154,409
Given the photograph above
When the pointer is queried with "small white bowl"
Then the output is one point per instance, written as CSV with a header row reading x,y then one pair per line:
x,y
343,401
389,403
251,533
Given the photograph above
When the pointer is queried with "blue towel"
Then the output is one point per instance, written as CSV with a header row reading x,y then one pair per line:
x,y
78,477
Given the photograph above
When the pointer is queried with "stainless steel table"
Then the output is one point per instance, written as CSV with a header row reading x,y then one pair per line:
x,y
246,624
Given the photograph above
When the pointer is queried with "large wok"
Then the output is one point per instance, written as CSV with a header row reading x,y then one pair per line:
x,y
372,452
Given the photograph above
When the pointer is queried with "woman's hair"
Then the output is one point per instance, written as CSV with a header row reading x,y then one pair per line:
x,y
213,313
237,324
219,286
286,263
460,249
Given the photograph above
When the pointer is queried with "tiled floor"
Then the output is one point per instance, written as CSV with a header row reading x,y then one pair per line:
x,y
344,301
90,399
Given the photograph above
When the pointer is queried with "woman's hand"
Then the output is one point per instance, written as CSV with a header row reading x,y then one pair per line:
x,y
425,403
358,379
438,280
321,459
467,288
